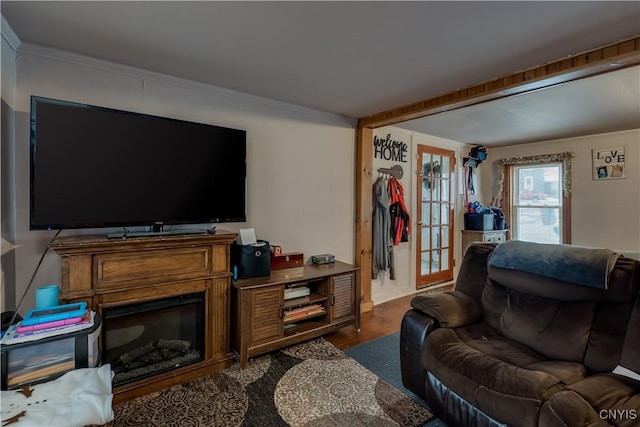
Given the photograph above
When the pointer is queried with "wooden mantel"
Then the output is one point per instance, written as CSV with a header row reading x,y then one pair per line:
x,y
113,272
612,57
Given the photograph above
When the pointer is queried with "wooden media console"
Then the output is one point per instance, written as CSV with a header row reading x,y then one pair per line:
x,y
266,319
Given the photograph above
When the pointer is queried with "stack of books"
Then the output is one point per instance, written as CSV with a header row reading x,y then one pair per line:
x,y
304,312
19,333
296,292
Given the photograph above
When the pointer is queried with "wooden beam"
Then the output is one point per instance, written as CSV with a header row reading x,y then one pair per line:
x,y
596,61
601,60
364,213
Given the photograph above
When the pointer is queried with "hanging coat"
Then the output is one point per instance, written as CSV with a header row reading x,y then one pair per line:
x,y
382,257
400,218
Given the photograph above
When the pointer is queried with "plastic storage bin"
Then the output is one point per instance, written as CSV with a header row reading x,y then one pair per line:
x,y
476,221
48,358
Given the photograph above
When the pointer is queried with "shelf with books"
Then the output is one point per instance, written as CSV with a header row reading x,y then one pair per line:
x,y
266,319
303,313
302,301
307,292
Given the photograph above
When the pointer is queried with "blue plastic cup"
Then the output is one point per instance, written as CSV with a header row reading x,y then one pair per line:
x,y
47,296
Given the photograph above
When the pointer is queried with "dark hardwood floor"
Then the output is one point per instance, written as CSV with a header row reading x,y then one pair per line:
x,y
383,320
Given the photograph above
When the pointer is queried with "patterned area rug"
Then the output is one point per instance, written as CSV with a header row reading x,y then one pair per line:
x,y
312,384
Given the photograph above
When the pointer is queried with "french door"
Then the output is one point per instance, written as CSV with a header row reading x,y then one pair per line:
x,y
434,262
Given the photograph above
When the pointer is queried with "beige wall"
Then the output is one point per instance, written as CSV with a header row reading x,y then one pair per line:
x,y
301,166
7,166
604,213
384,289
300,162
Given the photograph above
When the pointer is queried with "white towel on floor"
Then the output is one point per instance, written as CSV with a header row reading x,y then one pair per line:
x,y
78,398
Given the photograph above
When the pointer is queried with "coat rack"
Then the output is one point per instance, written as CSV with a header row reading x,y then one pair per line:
x,y
396,171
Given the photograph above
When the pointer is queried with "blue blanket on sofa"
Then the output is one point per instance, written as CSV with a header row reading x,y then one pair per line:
x,y
575,264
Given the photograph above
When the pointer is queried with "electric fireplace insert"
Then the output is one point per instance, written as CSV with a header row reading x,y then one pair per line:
x,y
144,339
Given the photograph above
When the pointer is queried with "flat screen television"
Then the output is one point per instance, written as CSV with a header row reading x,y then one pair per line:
x,y
95,167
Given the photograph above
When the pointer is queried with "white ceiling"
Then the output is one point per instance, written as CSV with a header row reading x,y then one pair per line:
x,y
360,58
599,104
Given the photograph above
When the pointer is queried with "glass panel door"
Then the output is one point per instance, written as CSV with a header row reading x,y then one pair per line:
x,y
435,216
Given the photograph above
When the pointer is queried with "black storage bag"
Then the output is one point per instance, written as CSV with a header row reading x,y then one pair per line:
x,y
251,261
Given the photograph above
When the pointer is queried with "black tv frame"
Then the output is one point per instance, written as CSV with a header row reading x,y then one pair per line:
x,y
235,148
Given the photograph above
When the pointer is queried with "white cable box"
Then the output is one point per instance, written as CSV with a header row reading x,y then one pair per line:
x,y
297,292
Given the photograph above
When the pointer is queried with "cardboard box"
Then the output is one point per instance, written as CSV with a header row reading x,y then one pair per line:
x,y
287,260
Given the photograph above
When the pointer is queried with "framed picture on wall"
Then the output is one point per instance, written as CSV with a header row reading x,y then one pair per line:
x,y
608,163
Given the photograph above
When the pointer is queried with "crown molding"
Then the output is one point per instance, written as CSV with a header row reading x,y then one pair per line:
x,y
152,76
9,36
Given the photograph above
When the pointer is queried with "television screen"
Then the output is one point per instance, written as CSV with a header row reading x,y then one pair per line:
x,y
100,167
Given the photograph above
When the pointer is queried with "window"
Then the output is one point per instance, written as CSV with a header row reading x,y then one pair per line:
x,y
537,203
538,194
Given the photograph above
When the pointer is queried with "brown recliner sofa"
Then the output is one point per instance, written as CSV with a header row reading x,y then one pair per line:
x,y
512,347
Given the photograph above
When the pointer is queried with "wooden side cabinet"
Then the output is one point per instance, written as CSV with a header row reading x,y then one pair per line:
x,y
489,236
293,305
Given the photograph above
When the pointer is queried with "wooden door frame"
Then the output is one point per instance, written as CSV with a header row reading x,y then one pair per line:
x,y
611,57
441,276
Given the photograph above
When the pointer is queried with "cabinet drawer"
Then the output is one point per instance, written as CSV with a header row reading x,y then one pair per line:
x,y
154,266
494,238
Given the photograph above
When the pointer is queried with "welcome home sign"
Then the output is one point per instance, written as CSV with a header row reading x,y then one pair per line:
x,y
389,149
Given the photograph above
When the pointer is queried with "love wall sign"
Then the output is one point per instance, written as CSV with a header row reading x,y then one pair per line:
x,y
609,163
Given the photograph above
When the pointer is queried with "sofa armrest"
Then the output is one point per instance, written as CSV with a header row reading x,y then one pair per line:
x,y
451,309
413,334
